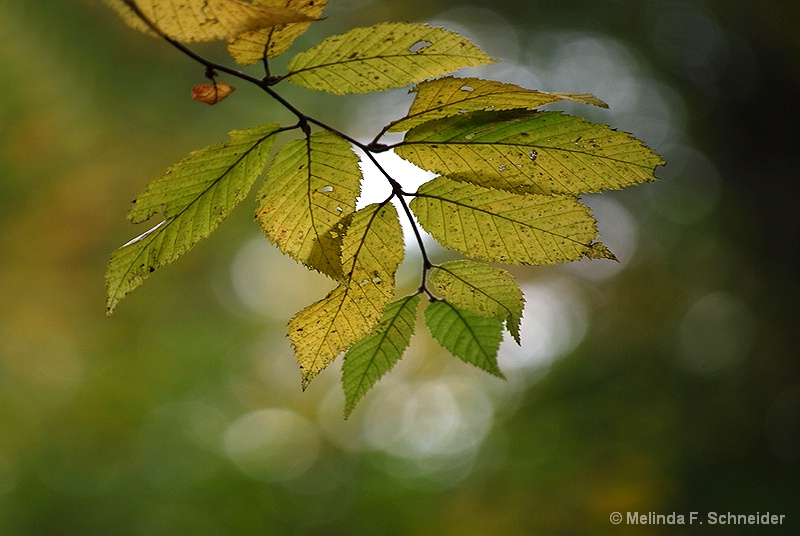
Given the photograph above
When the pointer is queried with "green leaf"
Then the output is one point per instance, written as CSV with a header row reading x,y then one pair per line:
x,y
530,152
480,289
311,186
195,196
384,56
202,20
500,226
253,46
372,250
472,338
451,96
374,355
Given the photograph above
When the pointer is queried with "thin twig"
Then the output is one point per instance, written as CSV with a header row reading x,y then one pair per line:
x,y
266,83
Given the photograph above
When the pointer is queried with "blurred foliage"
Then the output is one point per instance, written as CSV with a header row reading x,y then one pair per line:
x,y
678,388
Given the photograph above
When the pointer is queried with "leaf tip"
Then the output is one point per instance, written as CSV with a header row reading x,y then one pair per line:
x,y
112,298
598,250
305,379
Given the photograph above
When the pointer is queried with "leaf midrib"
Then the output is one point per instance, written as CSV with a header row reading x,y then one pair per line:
x,y
501,216
381,57
451,143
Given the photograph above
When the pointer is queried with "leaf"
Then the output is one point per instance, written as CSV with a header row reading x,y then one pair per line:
x,y
530,152
311,186
253,46
212,93
500,226
374,355
472,338
201,20
194,195
451,96
480,289
372,250
384,56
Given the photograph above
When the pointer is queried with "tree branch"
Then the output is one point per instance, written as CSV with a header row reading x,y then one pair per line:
x,y
266,83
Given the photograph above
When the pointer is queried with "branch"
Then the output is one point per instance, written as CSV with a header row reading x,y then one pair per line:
x,y
397,190
266,83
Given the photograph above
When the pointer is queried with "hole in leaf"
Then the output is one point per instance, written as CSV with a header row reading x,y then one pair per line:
x,y
326,189
467,89
419,46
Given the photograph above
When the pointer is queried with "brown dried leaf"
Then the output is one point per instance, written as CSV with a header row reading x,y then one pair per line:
x,y
212,93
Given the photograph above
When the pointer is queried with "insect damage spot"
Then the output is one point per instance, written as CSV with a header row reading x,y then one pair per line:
x,y
419,46
466,88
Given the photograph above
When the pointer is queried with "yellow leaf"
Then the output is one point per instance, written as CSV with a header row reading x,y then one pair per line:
x,y
253,46
384,56
372,250
450,96
501,226
310,188
530,152
202,20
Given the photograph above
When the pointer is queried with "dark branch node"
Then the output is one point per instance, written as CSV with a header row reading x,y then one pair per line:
x,y
304,126
377,147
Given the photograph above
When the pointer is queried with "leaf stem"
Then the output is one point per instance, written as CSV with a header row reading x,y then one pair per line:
x,y
265,62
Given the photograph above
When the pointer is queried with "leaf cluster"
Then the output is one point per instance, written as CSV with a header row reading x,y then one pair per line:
x,y
507,185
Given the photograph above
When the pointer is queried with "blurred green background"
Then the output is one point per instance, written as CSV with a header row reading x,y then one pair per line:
x,y
666,383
